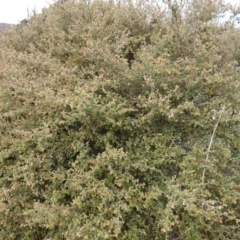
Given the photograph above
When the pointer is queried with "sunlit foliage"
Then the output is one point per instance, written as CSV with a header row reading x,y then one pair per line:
x,y
120,120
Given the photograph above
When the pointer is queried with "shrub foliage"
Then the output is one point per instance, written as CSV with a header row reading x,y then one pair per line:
x,y
120,120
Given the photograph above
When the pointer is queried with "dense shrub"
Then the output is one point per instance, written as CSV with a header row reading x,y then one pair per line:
x,y
120,120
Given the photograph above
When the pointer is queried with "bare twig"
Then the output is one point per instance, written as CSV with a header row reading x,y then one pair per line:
x,y
210,145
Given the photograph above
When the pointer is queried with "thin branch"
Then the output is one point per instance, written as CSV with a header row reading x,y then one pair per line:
x,y
210,144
